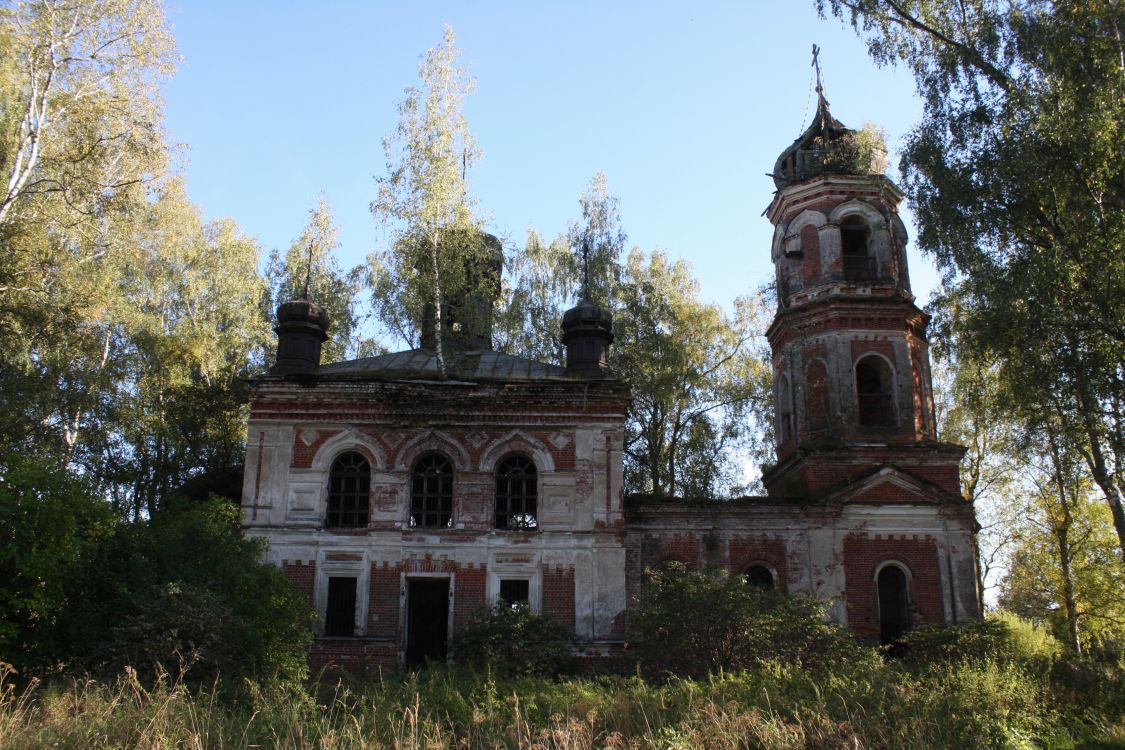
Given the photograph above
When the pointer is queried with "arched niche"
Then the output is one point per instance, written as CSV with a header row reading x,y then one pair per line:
x,y
432,441
349,440
518,441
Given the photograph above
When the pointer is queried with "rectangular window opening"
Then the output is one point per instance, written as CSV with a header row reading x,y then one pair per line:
x,y
515,591
339,614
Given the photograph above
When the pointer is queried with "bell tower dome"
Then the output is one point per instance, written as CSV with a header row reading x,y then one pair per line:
x,y
850,354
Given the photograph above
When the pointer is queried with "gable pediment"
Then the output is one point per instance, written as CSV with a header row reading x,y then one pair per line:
x,y
892,485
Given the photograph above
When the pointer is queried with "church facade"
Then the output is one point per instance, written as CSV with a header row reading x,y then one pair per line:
x,y
402,497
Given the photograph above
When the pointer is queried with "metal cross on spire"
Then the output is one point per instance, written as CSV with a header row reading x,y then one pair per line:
x,y
816,64
585,269
308,273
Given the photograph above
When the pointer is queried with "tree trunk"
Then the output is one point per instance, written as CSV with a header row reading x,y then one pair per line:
x,y
1095,457
435,242
1062,540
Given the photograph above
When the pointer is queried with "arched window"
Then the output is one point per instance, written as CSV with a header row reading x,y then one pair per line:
x,y
349,487
516,494
858,263
784,411
894,604
431,492
760,576
875,398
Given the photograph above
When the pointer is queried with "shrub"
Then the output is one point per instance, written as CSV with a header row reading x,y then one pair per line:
x,y
51,522
187,593
1001,637
690,624
513,640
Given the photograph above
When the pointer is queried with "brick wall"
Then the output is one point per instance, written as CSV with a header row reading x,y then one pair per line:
x,y
863,554
558,593
747,550
353,655
384,595
303,576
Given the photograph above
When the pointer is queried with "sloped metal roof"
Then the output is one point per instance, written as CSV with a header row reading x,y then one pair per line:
x,y
421,364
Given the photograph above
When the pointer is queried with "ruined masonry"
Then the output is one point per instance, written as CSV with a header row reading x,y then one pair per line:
x,y
402,501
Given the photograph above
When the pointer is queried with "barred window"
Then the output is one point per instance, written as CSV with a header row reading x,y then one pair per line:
x,y
516,494
431,492
349,487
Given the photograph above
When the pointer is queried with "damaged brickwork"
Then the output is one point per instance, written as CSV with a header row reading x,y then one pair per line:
x,y
860,482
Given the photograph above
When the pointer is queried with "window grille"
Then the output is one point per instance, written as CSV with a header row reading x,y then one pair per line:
x,y
339,614
431,492
349,487
516,494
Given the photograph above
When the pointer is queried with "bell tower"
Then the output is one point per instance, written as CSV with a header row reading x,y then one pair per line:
x,y
850,354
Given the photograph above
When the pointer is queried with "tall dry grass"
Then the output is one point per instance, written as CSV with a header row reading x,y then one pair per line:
x,y
776,708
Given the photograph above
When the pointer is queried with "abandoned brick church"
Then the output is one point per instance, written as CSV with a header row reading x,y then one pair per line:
x,y
402,502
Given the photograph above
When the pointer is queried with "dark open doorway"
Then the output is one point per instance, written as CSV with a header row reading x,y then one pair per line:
x,y
894,612
427,620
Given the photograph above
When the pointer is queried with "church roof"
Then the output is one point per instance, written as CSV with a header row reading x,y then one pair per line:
x,y
421,364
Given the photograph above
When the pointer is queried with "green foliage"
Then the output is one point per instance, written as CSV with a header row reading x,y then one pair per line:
x,y
329,286
701,385
51,523
1016,174
860,152
185,593
699,375
692,624
1001,637
425,204
513,640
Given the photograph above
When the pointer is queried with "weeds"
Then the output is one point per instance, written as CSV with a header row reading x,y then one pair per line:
x,y
950,705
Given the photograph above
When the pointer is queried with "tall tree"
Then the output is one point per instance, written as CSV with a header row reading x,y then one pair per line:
x,y
1017,177
191,324
700,381
310,268
1063,568
80,140
437,246
540,282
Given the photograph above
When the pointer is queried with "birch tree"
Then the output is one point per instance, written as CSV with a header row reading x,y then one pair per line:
x,y
425,204
1016,174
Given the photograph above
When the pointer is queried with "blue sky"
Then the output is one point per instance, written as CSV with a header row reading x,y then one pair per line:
x,y
684,107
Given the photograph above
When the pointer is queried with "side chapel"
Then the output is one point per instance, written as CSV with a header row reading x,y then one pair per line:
x,y
402,502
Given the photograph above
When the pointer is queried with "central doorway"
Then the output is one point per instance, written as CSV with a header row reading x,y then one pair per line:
x,y
427,620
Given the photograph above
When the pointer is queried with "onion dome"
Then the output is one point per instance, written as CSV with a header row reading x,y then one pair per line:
x,y
302,326
818,150
587,333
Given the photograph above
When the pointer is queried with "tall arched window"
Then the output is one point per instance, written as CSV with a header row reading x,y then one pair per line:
x,y
431,492
873,382
858,263
349,487
894,604
516,494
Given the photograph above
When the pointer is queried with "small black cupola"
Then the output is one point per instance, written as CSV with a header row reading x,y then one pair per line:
x,y
587,332
302,326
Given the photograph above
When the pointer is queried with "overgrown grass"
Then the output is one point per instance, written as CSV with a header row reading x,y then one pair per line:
x,y
985,704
